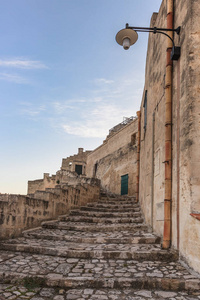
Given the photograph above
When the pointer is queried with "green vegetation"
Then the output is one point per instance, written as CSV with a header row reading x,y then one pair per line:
x,y
31,283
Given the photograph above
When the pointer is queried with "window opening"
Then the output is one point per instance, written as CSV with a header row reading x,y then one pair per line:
x,y
145,111
95,169
133,139
78,169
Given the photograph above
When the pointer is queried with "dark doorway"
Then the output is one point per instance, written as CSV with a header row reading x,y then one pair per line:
x,y
124,184
78,169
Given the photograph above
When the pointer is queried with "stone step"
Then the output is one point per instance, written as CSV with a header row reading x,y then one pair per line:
x,y
49,293
137,252
118,202
114,206
108,209
122,237
100,220
117,197
94,227
98,251
100,214
96,273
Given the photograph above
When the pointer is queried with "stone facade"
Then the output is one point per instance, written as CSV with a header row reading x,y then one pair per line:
x,y
42,184
116,157
185,232
18,212
76,162
72,166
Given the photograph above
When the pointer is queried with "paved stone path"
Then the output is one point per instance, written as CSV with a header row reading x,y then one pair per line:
x,y
100,251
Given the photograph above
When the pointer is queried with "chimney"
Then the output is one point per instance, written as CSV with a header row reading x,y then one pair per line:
x,y
80,150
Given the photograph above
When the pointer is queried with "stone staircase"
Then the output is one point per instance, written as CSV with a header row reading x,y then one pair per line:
x,y
100,251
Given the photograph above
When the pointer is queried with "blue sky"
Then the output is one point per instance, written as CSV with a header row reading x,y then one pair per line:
x,y
64,81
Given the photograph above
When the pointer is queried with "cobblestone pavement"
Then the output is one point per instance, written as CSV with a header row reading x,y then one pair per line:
x,y
24,263
20,292
81,226
93,259
94,237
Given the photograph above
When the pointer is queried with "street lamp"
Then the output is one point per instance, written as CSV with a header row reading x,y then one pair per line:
x,y
128,36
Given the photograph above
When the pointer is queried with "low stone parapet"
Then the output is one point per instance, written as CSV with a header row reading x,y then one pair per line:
x,y
20,212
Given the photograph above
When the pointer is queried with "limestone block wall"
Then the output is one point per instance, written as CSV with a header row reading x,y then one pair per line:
x,y
113,166
66,174
61,177
42,184
69,163
185,131
18,212
116,157
152,150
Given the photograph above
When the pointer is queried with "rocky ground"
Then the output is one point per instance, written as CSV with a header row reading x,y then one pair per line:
x,y
100,251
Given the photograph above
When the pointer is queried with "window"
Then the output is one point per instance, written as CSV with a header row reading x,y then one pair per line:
x,y
133,139
95,169
78,169
145,111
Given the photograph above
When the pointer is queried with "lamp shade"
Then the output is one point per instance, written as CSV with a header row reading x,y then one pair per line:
x,y
126,34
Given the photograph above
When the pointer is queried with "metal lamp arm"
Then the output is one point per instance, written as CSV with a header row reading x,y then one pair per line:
x,y
177,30
167,36
155,30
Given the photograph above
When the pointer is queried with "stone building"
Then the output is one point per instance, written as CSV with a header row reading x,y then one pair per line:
x,y
169,185
72,167
115,161
41,184
76,163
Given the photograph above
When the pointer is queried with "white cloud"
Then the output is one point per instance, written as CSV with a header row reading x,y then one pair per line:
x,y
127,89
97,121
104,107
23,64
31,110
103,81
77,101
84,130
19,63
61,107
13,78
93,114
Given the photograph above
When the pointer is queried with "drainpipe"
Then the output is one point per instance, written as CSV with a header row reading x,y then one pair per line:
x,y
152,166
138,156
178,152
168,135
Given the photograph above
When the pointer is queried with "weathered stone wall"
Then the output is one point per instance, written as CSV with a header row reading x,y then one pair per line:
x,y
61,177
70,162
67,172
42,184
116,157
152,152
185,131
187,110
113,166
18,212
